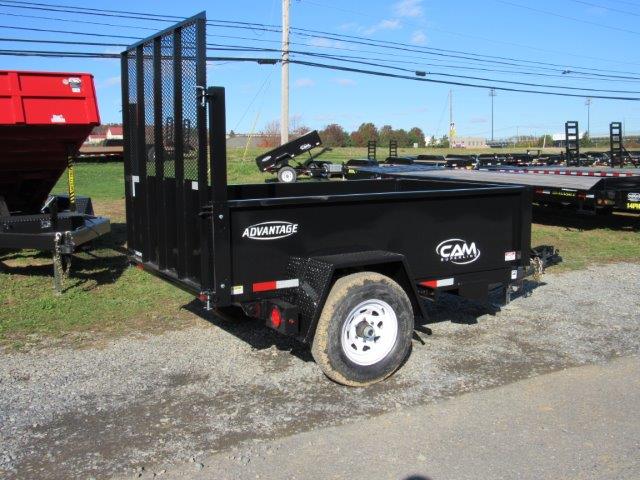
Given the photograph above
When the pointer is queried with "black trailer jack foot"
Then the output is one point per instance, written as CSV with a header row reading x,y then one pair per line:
x,y
62,254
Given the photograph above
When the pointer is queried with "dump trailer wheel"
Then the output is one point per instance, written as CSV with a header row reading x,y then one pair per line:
x,y
287,175
364,331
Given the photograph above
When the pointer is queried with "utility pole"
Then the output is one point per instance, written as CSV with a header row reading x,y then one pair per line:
x,y
587,102
284,88
492,94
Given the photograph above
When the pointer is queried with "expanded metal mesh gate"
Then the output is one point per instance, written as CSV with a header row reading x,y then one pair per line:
x,y
166,173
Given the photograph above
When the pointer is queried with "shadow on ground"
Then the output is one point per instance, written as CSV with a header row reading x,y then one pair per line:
x,y
100,262
446,308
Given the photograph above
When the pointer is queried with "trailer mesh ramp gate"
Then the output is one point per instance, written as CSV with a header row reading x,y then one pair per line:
x,y
167,177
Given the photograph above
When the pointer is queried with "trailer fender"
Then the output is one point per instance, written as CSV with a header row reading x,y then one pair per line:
x,y
317,275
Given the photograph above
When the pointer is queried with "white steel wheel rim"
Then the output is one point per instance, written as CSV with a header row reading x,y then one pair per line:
x,y
369,332
287,176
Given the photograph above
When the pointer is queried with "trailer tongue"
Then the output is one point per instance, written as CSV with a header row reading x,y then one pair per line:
x,y
343,266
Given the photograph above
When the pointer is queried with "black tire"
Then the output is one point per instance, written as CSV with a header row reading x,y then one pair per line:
x,y
350,292
287,175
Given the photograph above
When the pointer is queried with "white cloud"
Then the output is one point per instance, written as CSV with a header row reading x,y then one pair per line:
x,y
408,8
419,37
344,82
383,25
303,83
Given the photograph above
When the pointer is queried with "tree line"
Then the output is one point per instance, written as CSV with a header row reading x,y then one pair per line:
x,y
334,135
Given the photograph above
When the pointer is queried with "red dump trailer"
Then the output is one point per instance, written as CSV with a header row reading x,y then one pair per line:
x,y
44,118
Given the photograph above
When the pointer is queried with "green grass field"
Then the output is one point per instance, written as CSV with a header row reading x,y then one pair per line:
x,y
105,297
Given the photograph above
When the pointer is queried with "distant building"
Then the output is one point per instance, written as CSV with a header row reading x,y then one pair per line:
x,y
114,132
95,138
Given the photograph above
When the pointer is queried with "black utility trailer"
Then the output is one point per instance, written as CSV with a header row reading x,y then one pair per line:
x,y
279,160
343,266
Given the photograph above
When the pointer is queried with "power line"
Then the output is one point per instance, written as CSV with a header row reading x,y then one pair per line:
x,y
276,29
84,22
265,60
62,42
47,30
99,10
439,52
466,77
263,49
566,17
69,54
218,47
473,36
446,82
626,12
314,33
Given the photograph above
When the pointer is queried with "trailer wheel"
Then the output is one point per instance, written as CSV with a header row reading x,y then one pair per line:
x,y
287,175
364,331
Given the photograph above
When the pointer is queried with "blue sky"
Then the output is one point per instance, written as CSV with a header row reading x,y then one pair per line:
x,y
600,34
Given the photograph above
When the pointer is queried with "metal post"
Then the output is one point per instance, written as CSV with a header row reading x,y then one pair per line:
x,y
587,102
492,94
284,91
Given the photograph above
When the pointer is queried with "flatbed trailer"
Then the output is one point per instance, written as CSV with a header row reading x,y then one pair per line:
x,y
344,266
44,118
588,191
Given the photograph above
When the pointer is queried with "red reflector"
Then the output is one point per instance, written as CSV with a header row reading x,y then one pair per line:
x,y
139,266
538,190
203,297
275,317
264,286
430,284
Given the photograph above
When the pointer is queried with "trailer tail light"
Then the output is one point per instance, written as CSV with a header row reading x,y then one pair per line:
x,y
275,317
444,282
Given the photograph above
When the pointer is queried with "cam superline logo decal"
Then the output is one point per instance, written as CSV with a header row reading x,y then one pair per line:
x,y
270,230
458,251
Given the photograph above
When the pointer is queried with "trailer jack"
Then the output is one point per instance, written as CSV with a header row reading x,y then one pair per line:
x,y
62,255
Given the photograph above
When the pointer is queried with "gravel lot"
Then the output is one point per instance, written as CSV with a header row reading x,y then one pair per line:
x,y
137,405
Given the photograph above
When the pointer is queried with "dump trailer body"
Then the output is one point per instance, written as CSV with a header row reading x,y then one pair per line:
x,y
44,118
455,236
274,159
